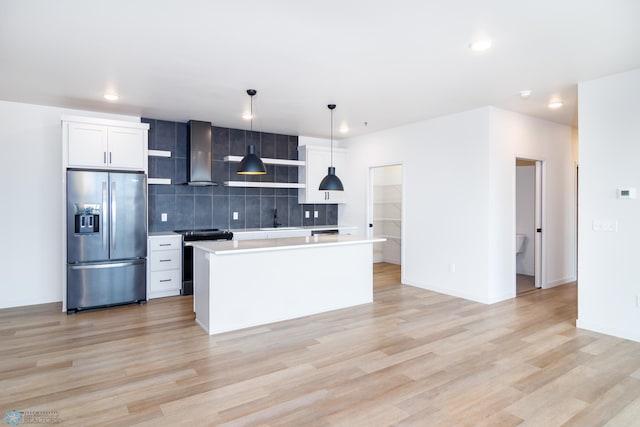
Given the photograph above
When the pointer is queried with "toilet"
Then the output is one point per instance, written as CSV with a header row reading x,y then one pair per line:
x,y
520,238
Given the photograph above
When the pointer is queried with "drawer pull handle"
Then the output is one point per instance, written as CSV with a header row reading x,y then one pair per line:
x,y
165,260
165,280
165,244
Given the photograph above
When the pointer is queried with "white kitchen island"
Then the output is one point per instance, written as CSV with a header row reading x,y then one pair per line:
x,y
239,284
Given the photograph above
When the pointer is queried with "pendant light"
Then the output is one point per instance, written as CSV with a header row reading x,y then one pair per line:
x,y
331,182
251,163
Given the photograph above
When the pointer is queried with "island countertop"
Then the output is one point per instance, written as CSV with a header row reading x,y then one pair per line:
x,y
230,247
240,284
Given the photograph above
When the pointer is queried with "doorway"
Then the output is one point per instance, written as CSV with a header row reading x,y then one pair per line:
x,y
529,218
386,217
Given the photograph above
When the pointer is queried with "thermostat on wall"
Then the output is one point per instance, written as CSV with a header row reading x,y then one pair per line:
x,y
626,193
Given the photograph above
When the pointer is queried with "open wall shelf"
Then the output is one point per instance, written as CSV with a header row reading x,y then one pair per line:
x,y
159,181
263,184
267,161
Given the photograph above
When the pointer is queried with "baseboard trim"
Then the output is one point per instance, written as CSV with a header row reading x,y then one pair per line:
x,y
559,282
608,330
446,291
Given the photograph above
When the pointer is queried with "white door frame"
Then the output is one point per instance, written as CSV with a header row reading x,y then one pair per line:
x,y
540,220
369,232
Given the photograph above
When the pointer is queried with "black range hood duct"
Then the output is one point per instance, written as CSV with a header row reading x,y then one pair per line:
x,y
199,161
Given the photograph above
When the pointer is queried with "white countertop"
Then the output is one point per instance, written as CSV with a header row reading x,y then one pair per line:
x,y
240,230
162,234
307,227
230,247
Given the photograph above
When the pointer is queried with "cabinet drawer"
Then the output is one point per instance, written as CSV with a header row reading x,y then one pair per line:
x,y
165,243
165,260
165,281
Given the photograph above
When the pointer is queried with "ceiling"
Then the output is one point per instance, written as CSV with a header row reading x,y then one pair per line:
x,y
383,63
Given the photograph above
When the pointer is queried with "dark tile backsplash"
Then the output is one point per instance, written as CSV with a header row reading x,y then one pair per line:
x,y
212,207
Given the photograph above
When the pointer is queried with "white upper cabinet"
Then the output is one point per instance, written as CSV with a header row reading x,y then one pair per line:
x,y
105,144
127,148
87,144
317,161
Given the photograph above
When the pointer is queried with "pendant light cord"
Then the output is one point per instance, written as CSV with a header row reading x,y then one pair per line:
x,y
331,108
251,125
332,138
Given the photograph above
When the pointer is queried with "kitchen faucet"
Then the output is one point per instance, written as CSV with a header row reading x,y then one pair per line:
x,y
275,218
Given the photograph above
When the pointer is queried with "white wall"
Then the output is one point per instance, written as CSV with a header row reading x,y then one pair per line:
x,y
31,212
459,196
514,136
609,159
525,217
446,191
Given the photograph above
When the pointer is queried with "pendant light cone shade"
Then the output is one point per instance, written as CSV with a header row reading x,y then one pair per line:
x,y
251,164
331,182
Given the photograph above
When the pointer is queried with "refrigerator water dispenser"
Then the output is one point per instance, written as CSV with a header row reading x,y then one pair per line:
x,y
87,223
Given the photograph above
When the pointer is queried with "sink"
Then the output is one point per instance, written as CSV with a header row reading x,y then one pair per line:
x,y
280,228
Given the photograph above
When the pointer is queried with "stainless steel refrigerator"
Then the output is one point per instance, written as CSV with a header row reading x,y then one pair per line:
x,y
106,238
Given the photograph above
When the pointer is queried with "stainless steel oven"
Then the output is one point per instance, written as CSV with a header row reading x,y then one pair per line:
x,y
189,236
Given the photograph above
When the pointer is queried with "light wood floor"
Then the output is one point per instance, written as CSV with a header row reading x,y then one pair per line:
x,y
525,283
412,358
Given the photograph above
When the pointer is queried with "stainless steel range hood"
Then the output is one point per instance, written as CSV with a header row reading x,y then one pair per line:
x,y
199,161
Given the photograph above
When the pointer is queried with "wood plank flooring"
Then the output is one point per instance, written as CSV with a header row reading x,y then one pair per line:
x,y
525,283
412,358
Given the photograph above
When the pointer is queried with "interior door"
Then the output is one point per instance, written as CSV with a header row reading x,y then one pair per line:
x,y
538,258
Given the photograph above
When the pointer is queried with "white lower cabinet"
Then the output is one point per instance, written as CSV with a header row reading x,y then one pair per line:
x,y
165,265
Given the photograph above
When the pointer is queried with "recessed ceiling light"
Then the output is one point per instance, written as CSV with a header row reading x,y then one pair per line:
x,y
524,94
480,45
247,116
344,129
111,97
555,104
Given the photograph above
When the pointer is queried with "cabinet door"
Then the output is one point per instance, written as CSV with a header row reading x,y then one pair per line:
x,y
164,283
165,260
318,161
87,145
165,265
317,164
126,148
338,163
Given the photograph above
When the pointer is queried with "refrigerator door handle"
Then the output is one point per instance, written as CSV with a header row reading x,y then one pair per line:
x,y
114,219
104,211
103,265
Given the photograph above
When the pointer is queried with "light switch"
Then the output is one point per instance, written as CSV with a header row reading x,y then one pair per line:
x,y
315,214
163,217
306,214
235,216
626,193
605,225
